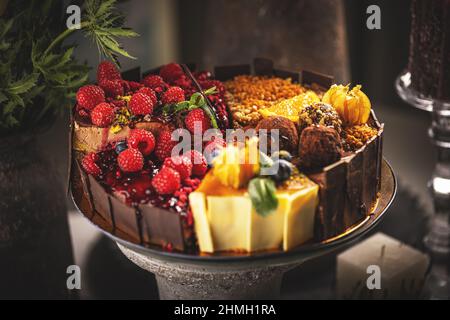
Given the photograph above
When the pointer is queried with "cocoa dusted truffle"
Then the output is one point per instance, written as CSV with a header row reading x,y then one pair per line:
x,y
319,146
319,113
288,135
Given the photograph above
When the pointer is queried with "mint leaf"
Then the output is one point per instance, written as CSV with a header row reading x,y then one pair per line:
x,y
210,91
262,194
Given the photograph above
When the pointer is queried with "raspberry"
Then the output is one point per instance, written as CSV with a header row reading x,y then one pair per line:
x,y
112,88
164,145
142,140
150,93
171,72
183,82
197,118
102,115
133,85
154,81
130,160
166,181
173,95
89,96
107,71
199,165
181,164
89,164
141,104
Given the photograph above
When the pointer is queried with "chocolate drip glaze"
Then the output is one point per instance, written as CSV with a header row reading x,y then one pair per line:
x,y
429,53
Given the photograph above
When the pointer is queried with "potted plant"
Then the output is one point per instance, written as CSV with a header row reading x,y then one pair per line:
x,y
38,78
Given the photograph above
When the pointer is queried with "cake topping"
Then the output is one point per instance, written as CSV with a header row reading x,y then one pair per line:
x,y
181,164
319,113
248,94
142,140
287,133
107,70
164,145
319,146
141,104
89,164
166,181
171,72
352,105
102,115
197,119
130,160
173,95
199,165
90,96
290,108
357,136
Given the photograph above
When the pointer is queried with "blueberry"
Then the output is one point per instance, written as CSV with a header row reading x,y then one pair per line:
x,y
211,155
283,170
282,154
121,146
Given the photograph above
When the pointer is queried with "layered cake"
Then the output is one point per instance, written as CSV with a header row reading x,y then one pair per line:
x,y
230,161
429,53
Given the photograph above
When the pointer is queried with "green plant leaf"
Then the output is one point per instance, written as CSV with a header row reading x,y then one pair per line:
x,y
24,84
262,194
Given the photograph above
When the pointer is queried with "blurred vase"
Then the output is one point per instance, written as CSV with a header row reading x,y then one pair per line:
x,y
35,245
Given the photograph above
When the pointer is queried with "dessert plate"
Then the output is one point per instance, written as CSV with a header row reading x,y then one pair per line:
x,y
386,196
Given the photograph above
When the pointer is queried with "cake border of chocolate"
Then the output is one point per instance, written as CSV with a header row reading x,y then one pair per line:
x,y
349,188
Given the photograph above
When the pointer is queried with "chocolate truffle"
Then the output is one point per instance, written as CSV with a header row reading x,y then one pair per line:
x,y
319,113
319,146
288,135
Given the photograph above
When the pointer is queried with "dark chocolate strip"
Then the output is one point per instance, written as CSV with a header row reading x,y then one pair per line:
x,y
263,67
310,77
112,214
224,73
139,225
132,74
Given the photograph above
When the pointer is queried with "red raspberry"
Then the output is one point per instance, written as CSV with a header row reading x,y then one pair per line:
x,y
150,93
107,71
153,81
181,164
197,118
130,160
142,140
89,164
171,72
164,145
199,165
102,115
173,95
133,85
112,88
141,104
166,181
183,82
89,96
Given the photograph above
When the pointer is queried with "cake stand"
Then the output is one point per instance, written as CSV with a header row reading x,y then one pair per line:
x,y
226,276
437,239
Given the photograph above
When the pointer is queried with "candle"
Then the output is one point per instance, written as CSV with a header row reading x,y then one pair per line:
x,y
380,267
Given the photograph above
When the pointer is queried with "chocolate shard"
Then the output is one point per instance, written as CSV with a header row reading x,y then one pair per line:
x,y
126,218
285,74
310,77
263,66
224,73
161,227
100,199
82,178
132,74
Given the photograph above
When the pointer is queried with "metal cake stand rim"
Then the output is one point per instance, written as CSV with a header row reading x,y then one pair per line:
x,y
300,253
